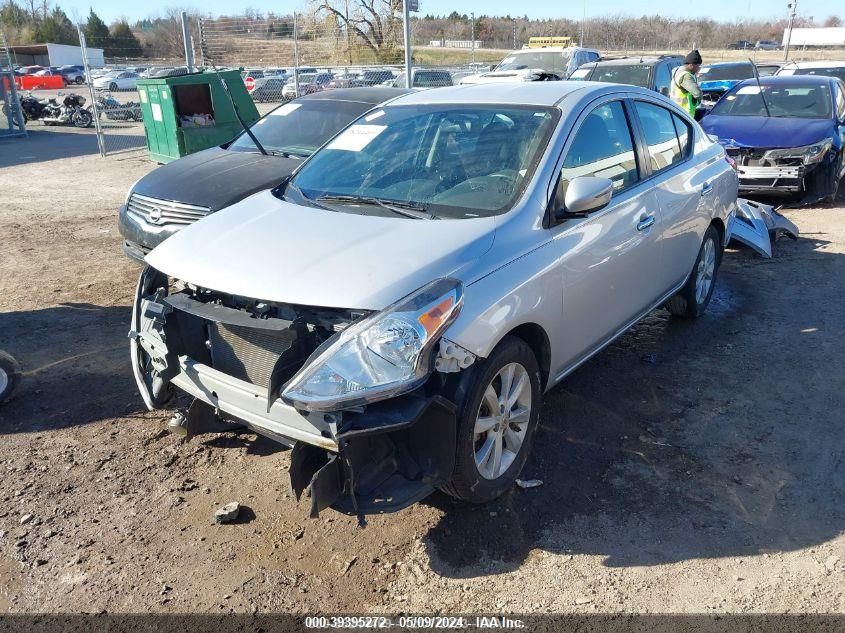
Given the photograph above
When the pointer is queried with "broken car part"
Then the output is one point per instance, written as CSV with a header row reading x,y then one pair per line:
x,y
758,225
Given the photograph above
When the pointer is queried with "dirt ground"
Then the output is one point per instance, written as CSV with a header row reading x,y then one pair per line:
x,y
690,467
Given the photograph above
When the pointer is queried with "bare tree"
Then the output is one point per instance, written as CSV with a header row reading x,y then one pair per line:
x,y
373,22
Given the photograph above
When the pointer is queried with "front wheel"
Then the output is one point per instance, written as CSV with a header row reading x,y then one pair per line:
x,y
82,118
497,418
691,301
10,374
113,87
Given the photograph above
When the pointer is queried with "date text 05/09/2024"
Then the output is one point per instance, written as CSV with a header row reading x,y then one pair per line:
x,y
413,622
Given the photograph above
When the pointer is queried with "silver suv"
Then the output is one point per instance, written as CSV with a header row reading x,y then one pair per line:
x,y
396,309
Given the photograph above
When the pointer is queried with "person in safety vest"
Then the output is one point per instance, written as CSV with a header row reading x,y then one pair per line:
x,y
685,91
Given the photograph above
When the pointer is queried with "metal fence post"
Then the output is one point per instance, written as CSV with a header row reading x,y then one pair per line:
x,y
13,105
202,41
295,57
186,40
406,28
95,108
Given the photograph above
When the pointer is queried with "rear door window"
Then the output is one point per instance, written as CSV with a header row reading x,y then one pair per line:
x,y
662,79
661,137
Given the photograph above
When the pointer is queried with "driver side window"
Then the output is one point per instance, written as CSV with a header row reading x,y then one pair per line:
x,y
602,147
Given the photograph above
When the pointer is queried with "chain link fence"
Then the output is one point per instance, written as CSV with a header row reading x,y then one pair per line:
x,y
11,115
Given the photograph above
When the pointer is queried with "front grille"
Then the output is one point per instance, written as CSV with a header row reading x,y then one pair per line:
x,y
164,212
250,354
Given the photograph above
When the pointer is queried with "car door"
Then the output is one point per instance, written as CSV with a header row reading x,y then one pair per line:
x,y
609,259
662,78
686,187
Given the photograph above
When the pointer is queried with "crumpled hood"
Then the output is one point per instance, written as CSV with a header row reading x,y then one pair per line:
x,y
504,76
767,132
215,177
266,248
722,85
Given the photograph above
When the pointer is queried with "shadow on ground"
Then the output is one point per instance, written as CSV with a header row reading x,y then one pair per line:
x,y
44,144
75,362
685,439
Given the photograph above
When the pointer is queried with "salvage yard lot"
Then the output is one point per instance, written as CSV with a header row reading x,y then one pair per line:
x,y
690,467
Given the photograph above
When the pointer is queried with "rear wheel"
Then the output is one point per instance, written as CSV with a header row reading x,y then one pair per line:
x,y
10,373
79,81
497,419
691,301
113,87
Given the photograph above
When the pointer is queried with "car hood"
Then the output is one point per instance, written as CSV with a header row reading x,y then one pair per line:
x,y
266,248
718,84
504,76
768,132
215,178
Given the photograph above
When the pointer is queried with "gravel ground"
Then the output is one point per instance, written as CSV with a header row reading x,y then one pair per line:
x,y
690,467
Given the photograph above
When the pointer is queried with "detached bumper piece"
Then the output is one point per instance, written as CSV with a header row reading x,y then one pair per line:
x,y
389,457
758,225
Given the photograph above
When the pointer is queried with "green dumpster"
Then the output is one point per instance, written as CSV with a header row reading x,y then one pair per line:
x,y
189,113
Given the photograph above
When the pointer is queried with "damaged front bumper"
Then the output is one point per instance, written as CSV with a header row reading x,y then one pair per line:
x,y
758,225
788,179
374,459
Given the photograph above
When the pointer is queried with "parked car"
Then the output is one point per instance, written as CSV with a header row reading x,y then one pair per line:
x,y
766,69
179,193
170,72
536,64
396,309
716,79
73,74
654,73
767,45
347,80
309,83
823,68
787,137
424,78
741,45
268,89
117,80
375,77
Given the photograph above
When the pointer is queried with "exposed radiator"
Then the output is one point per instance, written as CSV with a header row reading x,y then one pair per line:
x,y
250,354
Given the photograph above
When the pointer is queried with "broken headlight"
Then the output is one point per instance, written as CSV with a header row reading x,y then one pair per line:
x,y
809,154
380,356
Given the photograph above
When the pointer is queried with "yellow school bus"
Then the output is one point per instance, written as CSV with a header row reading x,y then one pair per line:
x,y
543,42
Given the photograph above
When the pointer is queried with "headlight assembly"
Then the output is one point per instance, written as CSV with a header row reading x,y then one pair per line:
x,y
809,154
380,356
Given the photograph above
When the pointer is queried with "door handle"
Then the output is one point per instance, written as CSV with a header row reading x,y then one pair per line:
x,y
706,189
645,222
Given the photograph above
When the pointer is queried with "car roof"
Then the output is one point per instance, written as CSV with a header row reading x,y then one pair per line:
x,y
737,63
816,64
372,95
534,93
629,61
790,80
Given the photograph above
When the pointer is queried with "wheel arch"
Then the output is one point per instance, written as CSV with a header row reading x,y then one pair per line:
x,y
719,224
538,340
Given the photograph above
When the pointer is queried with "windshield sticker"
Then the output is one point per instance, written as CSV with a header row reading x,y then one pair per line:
x,y
286,109
356,138
374,115
748,90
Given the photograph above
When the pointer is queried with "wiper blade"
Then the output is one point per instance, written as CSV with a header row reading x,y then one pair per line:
x,y
290,186
406,209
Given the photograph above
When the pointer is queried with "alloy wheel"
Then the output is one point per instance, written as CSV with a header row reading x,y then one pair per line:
x,y
502,420
705,271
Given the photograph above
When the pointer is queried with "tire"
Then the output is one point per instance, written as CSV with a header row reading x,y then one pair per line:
x,y
475,479
835,178
10,375
112,87
79,81
691,301
82,118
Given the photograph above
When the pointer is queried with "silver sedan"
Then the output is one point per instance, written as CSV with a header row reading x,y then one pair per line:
x,y
397,309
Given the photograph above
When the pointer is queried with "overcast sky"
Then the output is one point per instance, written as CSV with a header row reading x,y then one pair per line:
x,y
111,10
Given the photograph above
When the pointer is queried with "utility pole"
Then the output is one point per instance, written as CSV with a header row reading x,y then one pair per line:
x,y
472,38
794,7
406,28
514,34
583,19
186,39
295,56
348,41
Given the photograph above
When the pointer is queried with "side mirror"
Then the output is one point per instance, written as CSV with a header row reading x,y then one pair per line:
x,y
584,195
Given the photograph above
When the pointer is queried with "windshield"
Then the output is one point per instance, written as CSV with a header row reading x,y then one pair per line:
x,y
300,127
555,62
449,160
306,79
635,75
838,72
727,72
810,101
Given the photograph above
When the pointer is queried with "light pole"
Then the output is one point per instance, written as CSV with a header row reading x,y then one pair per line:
x,y
793,6
514,34
472,38
406,28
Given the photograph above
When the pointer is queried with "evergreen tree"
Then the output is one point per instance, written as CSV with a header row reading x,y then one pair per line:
x,y
123,41
57,28
96,32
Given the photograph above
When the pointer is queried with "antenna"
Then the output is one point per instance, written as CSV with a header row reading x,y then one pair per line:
x,y
245,127
760,88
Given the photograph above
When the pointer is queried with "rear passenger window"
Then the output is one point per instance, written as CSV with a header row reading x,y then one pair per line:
x,y
603,147
664,149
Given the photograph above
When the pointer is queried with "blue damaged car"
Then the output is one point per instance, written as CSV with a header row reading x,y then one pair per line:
x,y
786,134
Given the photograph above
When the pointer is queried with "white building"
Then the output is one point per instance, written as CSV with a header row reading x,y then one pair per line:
x,y
54,55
